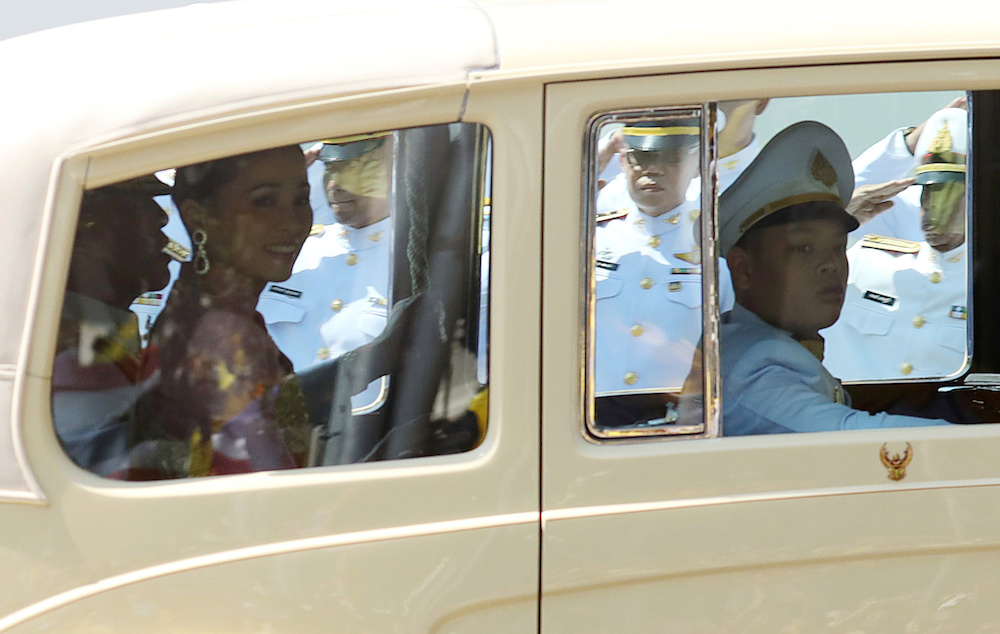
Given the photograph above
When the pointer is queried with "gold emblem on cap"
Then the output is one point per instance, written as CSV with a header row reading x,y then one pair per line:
x,y
352,259
941,142
821,170
895,463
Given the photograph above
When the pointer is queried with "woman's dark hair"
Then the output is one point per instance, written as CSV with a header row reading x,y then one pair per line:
x,y
203,180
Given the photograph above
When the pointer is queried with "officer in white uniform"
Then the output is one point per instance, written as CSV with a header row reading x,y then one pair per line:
x,y
905,310
738,147
647,269
890,159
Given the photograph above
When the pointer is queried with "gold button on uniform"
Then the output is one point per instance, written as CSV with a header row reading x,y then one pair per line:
x,y
631,378
352,259
919,321
935,277
637,330
323,353
906,368
336,305
646,283
654,241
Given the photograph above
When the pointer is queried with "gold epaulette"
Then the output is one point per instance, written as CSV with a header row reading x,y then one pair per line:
x,y
892,245
693,256
605,216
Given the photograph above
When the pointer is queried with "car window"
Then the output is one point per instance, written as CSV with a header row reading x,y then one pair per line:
x,y
904,314
314,304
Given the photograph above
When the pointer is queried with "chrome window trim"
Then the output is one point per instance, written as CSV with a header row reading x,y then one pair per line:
x,y
587,333
711,361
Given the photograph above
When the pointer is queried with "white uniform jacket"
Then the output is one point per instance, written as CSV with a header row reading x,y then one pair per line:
x,y
648,285
904,315
336,298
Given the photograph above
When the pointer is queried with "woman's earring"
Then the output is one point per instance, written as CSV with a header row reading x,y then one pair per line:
x,y
201,264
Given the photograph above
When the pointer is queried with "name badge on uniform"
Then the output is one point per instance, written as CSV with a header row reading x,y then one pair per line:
x,y
284,290
673,287
957,312
604,264
885,300
685,271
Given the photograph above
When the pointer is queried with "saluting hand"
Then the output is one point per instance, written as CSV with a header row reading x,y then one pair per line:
x,y
869,201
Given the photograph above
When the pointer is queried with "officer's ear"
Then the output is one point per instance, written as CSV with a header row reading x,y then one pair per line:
x,y
740,261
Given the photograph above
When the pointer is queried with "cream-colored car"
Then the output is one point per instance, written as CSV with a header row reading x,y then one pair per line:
x,y
469,418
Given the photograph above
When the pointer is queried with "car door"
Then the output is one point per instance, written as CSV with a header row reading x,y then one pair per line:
x,y
440,541
665,523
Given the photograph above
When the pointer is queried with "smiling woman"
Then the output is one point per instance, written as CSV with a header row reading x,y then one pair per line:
x,y
222,403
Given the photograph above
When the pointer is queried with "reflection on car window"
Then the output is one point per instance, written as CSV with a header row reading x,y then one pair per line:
x,y
290,331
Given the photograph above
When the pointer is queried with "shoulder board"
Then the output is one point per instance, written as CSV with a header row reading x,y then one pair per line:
x,y
892,245
692,257
605,216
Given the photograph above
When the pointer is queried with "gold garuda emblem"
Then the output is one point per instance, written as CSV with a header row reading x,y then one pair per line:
x,y
895,463
821,170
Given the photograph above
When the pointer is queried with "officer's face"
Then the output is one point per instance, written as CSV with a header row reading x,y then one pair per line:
x,y
658,181
942,215
358,189
793,275
260,219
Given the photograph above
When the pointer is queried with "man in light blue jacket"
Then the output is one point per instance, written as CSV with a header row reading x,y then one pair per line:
x,y
783,230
